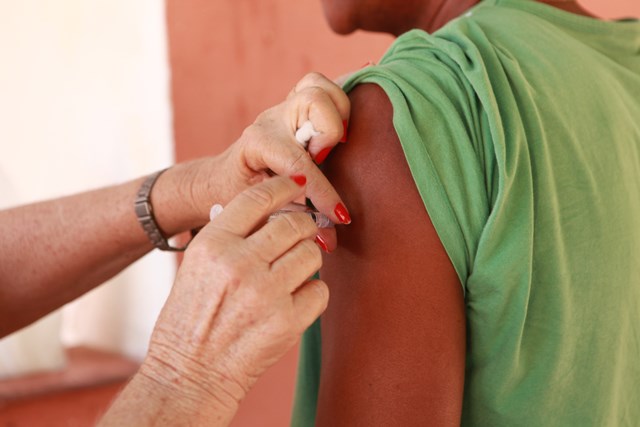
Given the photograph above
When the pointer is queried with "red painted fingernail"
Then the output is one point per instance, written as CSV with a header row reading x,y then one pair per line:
x,y
301,180
342,213
323,245
345,125
322,155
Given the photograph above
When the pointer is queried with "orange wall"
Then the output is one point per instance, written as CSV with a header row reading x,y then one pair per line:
x,y
231,60
613,9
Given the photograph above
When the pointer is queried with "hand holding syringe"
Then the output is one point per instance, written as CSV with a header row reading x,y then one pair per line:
x,y
303,135
321,220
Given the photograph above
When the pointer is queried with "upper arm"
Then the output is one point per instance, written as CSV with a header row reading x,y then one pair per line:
x,y
393,336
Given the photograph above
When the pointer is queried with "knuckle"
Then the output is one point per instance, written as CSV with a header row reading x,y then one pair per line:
x,y
335,130
292,92
254,133
253,299
298,161
316,77
231,270
300,224
322,190
311,79
257,254
310,253
262,196
314,94
323,291
234,271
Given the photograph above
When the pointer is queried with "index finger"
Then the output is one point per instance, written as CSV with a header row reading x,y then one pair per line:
x,y
292,160
252,207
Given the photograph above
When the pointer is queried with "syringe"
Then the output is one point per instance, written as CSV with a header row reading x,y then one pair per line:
x,y
321,220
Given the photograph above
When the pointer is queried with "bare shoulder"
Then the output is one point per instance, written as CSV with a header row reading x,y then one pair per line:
x,y
393,337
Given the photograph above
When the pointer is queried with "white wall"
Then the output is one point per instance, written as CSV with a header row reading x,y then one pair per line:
x,y
84,102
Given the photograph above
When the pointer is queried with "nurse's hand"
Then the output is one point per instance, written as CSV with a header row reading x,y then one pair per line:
x,y
268,147
241,299
269,143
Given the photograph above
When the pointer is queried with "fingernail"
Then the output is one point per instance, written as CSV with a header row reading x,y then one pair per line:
x,y
301,180
323,245
342,213
345,125
322,155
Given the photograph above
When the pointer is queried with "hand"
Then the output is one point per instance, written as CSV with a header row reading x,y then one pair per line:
x,y
269,145
241,299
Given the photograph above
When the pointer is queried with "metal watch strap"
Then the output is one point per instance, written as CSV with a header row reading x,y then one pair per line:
x,y
144,212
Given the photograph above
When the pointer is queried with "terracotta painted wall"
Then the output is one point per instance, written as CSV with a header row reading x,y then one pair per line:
x,y
613,9
231,60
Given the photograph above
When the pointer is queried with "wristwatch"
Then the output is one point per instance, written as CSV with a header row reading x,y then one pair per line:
x,y
144,213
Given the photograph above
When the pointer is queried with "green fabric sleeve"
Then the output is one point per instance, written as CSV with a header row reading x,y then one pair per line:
x,y
437,118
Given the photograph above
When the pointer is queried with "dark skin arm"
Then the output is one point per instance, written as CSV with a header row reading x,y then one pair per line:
x,y
393,336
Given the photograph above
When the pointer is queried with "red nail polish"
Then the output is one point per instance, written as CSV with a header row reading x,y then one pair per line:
x,y
342,213
301,180
345,125
322,155
323,245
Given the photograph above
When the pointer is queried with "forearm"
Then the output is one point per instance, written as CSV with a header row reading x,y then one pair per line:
x,y
54,251
148,401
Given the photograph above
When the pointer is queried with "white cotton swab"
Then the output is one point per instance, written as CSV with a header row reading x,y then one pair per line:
x,y
305,133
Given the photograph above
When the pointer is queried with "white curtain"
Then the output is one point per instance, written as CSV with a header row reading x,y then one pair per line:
x,y
84,102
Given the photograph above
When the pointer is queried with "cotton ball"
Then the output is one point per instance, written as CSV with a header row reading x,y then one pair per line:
x,y
305,133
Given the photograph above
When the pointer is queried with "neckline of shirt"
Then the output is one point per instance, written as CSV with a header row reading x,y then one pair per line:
x,y
624,33
629,27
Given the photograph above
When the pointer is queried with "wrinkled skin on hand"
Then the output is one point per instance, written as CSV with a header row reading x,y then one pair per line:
x,y
242,297
268,147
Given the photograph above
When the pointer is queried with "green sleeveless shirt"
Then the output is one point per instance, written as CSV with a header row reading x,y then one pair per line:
x,y
521,127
